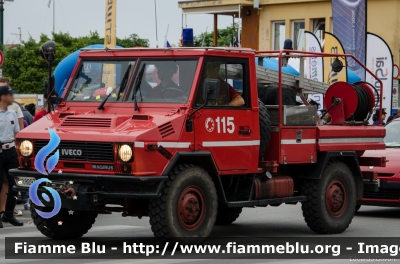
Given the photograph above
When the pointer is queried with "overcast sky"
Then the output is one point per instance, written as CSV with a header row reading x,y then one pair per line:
x,y
79,17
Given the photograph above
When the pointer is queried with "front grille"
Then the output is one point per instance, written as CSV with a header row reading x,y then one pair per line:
x,y
75,150
76,121
383,194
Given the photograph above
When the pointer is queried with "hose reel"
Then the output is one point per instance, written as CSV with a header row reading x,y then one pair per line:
x,y
350,102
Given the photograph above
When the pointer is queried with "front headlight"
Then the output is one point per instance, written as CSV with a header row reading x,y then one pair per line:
x,y
26,148
125,153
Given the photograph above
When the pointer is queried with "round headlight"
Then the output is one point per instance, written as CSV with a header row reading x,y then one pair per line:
x,y
125,153
26,148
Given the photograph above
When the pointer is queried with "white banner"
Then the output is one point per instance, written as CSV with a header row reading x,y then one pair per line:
x,y
380,62
315,66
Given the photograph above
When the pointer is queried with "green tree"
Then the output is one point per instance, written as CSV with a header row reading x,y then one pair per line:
x,y
28,71
226,37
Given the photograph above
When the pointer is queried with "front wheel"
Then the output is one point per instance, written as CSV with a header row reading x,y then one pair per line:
x,y
331,200
187,208
67,224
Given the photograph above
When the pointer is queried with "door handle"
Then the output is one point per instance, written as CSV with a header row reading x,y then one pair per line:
x,y
245,132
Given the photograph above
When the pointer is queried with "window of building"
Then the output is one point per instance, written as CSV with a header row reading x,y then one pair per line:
x,y
278,34
298,29
232,81
318,28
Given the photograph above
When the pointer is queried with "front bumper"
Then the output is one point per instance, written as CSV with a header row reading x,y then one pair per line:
x,y
93,190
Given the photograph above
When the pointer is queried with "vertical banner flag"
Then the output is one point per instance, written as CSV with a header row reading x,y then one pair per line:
x,y
315,66
110,40
349,21
380,62
333,45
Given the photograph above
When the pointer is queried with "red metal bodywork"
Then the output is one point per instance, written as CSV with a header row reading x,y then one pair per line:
x,y
388,177
233,153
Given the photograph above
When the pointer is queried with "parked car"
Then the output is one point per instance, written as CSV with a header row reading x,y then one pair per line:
x,y
388,178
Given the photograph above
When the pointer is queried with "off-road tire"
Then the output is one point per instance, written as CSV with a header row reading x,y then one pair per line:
x,y
265,128
72,226
315,210
163,211
358,206
227,215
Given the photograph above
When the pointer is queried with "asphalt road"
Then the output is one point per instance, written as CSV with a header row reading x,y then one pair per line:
x,y
282,221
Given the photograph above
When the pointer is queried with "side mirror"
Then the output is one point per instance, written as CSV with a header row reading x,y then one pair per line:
x,y
48,51
211,89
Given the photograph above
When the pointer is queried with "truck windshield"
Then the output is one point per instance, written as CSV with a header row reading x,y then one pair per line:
x,y
165,81
97,79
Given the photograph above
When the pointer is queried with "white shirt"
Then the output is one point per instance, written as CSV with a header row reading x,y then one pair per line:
x,y
8,125
17,110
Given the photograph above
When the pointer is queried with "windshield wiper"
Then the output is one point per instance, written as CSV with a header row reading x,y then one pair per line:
x,y
121,87
124,82
137,87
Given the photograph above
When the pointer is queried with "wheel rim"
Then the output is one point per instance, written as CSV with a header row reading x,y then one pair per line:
x,y
191,208
336,198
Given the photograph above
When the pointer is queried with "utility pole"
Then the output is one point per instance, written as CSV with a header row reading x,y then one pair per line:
x,y
2,22
155,16
54,16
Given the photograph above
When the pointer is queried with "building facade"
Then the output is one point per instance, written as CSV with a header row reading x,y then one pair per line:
x,y
265,27
273,21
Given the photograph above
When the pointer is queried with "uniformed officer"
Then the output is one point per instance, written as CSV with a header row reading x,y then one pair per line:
x,y
8,155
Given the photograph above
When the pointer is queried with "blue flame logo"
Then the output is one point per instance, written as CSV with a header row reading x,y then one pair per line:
x,y
45,151
35,199
39,166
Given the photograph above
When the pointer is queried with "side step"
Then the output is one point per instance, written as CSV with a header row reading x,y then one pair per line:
x,y
264,202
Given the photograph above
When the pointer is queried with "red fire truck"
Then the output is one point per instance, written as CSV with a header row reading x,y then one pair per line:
x,y
181,135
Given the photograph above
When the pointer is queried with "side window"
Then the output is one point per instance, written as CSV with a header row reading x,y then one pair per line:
x,y
232,83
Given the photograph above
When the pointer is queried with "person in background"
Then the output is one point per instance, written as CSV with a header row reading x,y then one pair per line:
x,y
397,115
13,106
46,109
375,117
9,127
32,109
28,118
390,119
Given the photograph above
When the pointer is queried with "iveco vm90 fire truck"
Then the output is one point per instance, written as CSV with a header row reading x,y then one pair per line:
x,y
190,136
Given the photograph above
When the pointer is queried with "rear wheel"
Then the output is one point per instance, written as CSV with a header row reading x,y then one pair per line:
x,y
331,200
67,224
227,215
187,208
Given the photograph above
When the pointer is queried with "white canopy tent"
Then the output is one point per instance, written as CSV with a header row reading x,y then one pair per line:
x,y
189,8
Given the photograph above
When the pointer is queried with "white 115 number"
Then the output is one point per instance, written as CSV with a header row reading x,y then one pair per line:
x,y
226,123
